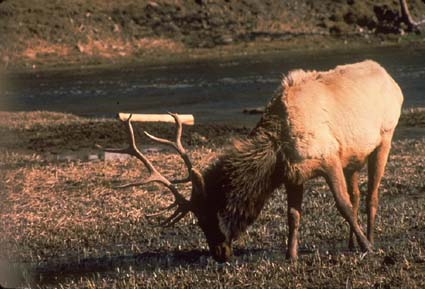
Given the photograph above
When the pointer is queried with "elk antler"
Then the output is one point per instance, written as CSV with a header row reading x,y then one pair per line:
x,y
177,145
183,205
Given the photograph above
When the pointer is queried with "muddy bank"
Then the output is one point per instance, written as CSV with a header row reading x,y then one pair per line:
x,y
40,32
58,135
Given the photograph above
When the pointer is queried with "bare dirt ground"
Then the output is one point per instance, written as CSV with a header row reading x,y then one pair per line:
x,y
62,225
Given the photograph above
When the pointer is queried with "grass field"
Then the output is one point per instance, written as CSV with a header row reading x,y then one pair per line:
x,y
62,225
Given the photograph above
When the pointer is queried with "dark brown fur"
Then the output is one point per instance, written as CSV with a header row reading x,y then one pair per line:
x,y
243,179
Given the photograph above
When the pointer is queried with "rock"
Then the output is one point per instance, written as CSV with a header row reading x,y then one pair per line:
x,y
93,157
115,157
253,110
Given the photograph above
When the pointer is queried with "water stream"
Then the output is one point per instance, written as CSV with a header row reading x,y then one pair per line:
x,y
213,91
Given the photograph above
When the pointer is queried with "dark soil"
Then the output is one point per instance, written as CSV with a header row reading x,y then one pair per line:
x,y
58,133
86,31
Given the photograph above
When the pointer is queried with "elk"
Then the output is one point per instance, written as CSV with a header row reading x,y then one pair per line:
x,y
317,124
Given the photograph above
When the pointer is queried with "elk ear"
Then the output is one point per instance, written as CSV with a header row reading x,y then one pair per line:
x,y
198,182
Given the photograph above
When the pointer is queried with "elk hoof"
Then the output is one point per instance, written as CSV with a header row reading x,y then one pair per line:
x,y
351,245
367,247
292,256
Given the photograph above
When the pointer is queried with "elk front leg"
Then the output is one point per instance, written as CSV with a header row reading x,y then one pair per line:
x,y
295,197
336,181
376,166
354,192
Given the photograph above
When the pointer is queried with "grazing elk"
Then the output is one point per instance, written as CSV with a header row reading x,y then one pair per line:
x,y
317,124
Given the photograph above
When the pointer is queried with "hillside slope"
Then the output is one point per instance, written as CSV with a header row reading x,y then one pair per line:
x,y
31,30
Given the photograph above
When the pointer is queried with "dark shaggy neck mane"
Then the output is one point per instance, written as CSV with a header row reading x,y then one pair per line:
x,y
242,180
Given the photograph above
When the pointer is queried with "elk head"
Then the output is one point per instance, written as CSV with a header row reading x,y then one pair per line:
x,y
200,202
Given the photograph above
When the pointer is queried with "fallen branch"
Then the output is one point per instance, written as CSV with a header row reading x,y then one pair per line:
x,y
407,17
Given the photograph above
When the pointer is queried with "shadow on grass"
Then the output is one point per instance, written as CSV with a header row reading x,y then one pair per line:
x,y
53,272
57,271
60,271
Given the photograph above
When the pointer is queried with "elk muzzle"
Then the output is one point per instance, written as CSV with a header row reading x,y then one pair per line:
x,y
221,252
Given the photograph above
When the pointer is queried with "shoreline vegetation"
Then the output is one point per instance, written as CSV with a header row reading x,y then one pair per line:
x,y
231,52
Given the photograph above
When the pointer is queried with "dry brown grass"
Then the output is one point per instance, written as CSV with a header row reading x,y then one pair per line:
x,y
41,48
62,225
107,48
113,47
27,120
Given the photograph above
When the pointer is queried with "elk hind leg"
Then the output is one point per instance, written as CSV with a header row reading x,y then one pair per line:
x,y
351,179
376,166
336,181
